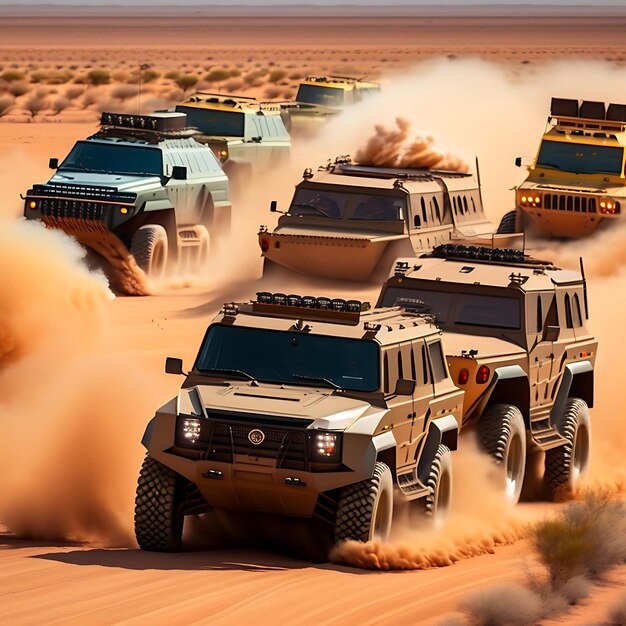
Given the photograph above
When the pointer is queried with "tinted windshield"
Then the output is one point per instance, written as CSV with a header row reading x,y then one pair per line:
x,y
292,358
346,205
316,94
92,156
219,123
463,309
580,158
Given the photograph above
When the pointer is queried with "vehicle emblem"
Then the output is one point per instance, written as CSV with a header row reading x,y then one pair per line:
x,y
256,436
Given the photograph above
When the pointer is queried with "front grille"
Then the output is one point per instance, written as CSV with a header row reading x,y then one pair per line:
x,y
287,446
564,202
77,209
85,192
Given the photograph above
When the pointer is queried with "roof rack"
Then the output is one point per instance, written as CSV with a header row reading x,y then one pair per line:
x,y
231,100
570,113
503,256
151,128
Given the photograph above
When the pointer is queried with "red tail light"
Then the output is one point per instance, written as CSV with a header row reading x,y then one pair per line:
x,y
265,244
463,376
482,375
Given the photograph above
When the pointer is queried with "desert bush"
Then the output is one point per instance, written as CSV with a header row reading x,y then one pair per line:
x,y
73,91
6,102
60,104
13,75
503,605
98,77
35,104
150,76
617,613
172,74
217,76
186,81
296,75
124,92
19,88
120,76
271,93
255,78
234,84
90,97
38,77
276,75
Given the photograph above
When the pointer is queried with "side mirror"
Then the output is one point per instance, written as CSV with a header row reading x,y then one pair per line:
x,y
404,387
53,163
174,366
518,161
273,206
179,172
551,333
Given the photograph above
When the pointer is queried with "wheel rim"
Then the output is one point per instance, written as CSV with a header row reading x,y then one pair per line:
x,y
381,517
514,468
580,458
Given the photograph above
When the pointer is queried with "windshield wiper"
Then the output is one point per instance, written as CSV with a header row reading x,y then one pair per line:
x,y
231,371
319,379
312,206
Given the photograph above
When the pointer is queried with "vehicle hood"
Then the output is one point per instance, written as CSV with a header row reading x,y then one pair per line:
x,y
573,185
122,182
323,408
337,230
488,347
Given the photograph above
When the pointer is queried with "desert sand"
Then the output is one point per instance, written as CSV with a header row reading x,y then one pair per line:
x,y
81,371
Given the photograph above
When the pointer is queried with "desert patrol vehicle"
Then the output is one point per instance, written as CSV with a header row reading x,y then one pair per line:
x,y
517,342
576,181
350,221
245,134
305,407
140,187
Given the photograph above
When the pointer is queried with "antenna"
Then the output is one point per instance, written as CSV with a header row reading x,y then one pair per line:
x,y
142,67
582,271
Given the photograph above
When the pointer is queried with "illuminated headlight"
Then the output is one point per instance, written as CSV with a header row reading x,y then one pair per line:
x,y
326,446
191,430
530,200
607,205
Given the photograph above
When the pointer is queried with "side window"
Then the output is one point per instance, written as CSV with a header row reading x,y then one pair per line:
x,y
473,204
465,209
539,314
578,320
416,221
425,367
413,368
437,212
400,368
436,358
568,312
423,203
385,373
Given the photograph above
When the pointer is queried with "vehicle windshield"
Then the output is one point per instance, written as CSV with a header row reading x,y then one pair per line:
x,y
93,156
317,94
453,308
216,123
579,158
292,358
346,205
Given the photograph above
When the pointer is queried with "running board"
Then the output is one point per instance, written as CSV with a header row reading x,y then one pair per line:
x,y
548,438
411,486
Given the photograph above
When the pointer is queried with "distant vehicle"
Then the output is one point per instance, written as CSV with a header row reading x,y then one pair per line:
x,y
351,222
516,340
304,407
245,134
320,97
577,180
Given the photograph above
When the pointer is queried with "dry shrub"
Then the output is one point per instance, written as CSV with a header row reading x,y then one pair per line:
x,y
120,76
90,97
39,77
271,93
35,104
149,76
172,74
60,104
19,88
503,605
73,91
256,78
186,81
99,77
575,589
11,76
124,92
6,102
617,613
277,75
233,85
217,76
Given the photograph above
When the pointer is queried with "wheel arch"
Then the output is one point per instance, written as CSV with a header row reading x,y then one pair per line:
x,y
442,430
510,386
577,381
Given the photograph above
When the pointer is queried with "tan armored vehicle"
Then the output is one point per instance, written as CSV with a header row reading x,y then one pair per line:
x,y
351,221
309,408
516,341
576,182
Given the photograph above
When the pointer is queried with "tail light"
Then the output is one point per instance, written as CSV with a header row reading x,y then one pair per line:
x,y
265,244
463,376
482,375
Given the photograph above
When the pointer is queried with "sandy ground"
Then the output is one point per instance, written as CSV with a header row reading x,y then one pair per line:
x,y
99,364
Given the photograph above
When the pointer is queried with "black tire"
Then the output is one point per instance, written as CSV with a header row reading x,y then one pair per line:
x,y
507,223
158,518
150,249
436,505
503,435
365,509
566,464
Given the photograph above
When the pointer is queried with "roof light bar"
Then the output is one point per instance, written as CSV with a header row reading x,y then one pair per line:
x,y
321,303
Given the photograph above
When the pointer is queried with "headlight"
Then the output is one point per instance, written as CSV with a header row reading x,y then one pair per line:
x,y
326,447
608,206
531,200
189,430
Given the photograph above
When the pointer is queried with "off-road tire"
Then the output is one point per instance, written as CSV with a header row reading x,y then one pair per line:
x,y
436,505
507,223
365,509
150,249
503,435
566,464
158,520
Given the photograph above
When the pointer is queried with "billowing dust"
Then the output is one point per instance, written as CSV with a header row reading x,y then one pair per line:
x,y
71,414
392,148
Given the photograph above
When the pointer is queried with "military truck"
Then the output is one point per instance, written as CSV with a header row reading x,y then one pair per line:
x,y
576,182
141,186
245,134
351,221
306,407
516,341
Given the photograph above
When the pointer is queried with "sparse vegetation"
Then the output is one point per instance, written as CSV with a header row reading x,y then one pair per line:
x,y
186,81
13,75
6,102
60,104
19,88
217,76
124,92
99,77
503,605
277,75
35,104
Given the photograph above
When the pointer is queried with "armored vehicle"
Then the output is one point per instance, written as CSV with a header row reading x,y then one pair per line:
x,y
142,187
517,342
305,407
576,182
245,134
347,221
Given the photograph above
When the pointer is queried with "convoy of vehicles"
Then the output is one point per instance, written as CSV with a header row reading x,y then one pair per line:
x,y
576,182
355,410
516,341
350,222
141,186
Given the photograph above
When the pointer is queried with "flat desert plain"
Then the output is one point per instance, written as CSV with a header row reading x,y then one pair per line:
x,y
81,371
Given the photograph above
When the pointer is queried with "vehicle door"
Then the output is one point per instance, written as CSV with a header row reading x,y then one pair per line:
x,y
541,321
177,189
